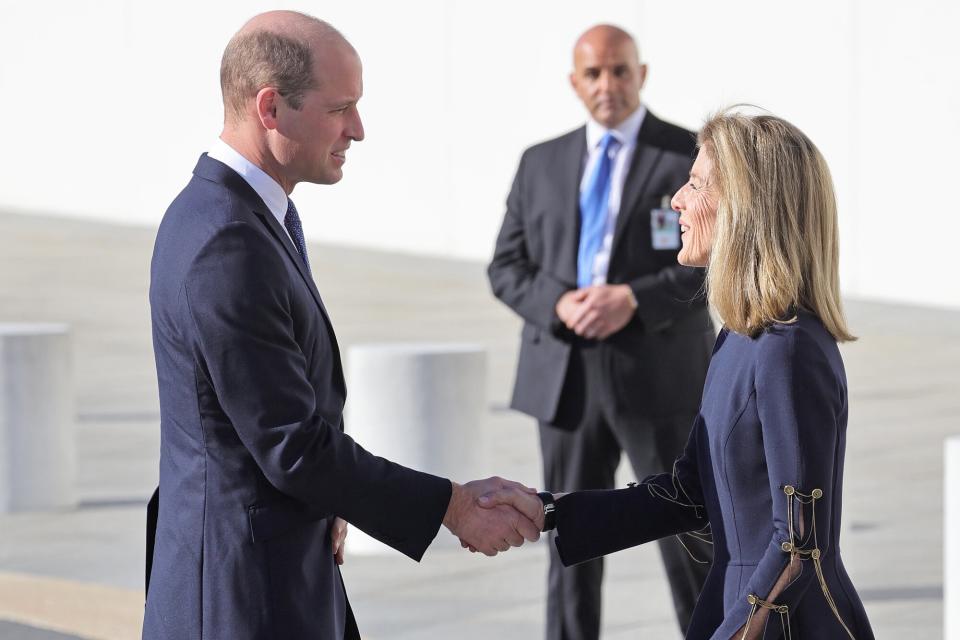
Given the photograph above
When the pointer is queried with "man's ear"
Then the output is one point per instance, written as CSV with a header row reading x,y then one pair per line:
x,y
643,75
267,103
573,80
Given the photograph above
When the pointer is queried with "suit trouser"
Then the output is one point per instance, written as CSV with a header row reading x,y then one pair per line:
x,y
583,451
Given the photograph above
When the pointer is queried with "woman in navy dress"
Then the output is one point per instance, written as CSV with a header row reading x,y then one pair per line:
x,y
762,471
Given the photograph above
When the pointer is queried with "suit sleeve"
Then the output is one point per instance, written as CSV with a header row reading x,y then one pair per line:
x,y
798,401
516,280
591,524
238,307
664,296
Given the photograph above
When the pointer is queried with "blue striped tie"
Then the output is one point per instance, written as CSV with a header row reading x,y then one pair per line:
x,y
593,210
292,222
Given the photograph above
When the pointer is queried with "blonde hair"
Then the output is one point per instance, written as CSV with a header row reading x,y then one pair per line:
x,y
775,247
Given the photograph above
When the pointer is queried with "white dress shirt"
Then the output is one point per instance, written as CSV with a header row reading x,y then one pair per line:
x,y
266,187
626,133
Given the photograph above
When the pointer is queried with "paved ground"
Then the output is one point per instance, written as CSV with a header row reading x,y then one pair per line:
x,y
80,572
14,631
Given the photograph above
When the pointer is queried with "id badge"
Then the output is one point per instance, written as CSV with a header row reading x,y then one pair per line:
x,y
665,227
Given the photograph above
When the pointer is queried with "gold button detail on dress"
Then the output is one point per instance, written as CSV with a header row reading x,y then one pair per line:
x,y
817,493
789,490
752,599
815,554
787,546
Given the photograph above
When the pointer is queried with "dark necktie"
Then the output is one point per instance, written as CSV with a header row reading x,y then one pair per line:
x,y
292,222
593,210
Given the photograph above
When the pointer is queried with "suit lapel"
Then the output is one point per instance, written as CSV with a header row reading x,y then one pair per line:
x,y
570,170
645,158
215,171
284,239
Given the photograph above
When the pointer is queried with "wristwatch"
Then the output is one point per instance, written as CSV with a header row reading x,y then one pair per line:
x,y
549,511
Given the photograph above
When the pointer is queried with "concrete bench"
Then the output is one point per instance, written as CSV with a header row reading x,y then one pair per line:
x,y
37,437
421,405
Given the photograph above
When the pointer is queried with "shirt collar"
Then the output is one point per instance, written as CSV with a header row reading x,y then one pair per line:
x,y
266,187
626,132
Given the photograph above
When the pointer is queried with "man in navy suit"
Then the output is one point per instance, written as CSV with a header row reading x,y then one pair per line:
x,y
257,478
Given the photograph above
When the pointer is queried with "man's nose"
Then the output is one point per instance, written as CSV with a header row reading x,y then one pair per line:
x,y
355,130
606,81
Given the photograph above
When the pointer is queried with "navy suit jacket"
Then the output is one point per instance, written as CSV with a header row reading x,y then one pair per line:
x,y
254,464
773,420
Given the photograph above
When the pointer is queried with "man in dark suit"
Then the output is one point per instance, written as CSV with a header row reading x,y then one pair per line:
x,y
616,335
257,478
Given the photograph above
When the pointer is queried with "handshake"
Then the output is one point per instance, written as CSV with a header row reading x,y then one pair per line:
x,y
493,515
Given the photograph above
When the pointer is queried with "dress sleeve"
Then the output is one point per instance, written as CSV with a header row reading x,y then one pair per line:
x,y
594,523
800,403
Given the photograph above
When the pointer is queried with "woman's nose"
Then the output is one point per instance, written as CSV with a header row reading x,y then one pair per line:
x,y
675,202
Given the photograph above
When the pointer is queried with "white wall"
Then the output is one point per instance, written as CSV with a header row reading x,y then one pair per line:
x,y
108,104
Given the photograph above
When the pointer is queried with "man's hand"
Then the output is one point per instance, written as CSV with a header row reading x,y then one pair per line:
x,y
604,310
529,504
568,304
492,530
338,534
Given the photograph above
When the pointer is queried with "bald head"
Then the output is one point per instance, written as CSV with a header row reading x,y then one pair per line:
x,y
607,75
604,36
292,24
278,49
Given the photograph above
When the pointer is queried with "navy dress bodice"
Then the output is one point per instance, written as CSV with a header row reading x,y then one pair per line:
x,y
762,473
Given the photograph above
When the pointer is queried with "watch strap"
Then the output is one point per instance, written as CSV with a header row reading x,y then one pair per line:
x,y
549,511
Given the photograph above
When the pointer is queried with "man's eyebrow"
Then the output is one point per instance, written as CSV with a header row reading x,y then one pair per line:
x,y
343,102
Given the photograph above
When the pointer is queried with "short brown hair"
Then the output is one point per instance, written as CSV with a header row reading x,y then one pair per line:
x,y
259,59
775,247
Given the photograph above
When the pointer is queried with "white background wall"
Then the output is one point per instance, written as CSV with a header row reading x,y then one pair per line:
x,y
106,106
